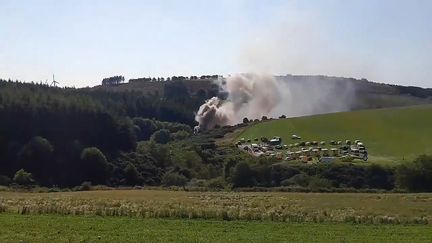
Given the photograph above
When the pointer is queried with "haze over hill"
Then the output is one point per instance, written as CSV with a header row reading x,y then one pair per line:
x,y
232,98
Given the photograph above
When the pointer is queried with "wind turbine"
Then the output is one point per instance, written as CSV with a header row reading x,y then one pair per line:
x,y
54,82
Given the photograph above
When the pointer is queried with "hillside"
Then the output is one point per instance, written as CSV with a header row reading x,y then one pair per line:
x,y
389,134
364,94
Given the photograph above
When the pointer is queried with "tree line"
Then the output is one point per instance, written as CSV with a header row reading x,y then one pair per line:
x,y
115,80
161,79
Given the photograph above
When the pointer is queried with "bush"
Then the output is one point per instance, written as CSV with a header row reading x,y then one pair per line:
x,y
23,178
162,136
85,186
242,175
174,179
416,176
377,176
319,183
298,180
262,173
196,183
5,180
95,165
280,173
146,128
36,157
180,135
132,175
216,183
245,120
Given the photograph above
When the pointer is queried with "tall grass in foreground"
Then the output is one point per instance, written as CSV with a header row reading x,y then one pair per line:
x,y
228,206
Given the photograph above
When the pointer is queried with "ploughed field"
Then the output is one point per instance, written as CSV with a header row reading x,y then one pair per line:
x,y
391,134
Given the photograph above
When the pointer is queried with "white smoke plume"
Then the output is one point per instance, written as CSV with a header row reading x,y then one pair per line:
x,y
256,95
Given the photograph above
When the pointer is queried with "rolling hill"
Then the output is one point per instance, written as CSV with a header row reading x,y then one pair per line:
x,y
365,94
391,134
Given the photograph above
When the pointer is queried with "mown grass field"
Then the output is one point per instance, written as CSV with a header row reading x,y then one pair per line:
x,y
392,134
57,228
360,208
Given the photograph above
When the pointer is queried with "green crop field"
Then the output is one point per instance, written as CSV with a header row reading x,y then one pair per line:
x,y
392,134
56,228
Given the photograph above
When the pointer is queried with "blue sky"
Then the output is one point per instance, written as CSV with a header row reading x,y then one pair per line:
x,y
82,41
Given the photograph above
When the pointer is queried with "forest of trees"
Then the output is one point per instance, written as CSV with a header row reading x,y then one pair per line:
x,y
51,132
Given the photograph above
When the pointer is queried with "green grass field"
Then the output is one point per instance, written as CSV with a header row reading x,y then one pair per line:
x,y
391,134
56,228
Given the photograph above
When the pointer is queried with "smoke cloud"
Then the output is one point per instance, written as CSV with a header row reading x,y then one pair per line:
x,y
299,43
255,95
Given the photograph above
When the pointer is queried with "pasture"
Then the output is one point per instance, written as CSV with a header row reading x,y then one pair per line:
x,y
57,228
391,134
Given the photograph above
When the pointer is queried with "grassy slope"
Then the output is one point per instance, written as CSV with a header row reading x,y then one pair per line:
x,y
55,228
393,133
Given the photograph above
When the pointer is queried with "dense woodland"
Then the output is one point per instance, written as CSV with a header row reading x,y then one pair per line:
x,y
45,129
65,137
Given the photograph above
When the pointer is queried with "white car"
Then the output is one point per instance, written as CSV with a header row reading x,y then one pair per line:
x,y
295,137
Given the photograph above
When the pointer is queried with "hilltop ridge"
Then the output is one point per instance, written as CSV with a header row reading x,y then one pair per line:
x,y
367,94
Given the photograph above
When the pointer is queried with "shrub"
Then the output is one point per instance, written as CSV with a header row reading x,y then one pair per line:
x,y
280,173
174,179
180,135
216,183
132,175
242,175
245,120
377,176
162,136
194,182
299,180
36,157
146,128
416,176
318,183
23,177
5,180
95,165
262,174
85,186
